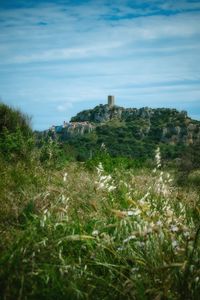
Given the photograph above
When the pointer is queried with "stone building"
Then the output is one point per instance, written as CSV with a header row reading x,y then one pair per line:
x,y
111,101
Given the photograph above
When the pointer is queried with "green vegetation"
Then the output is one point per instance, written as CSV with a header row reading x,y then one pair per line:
x,y
133,133
16,137
107,228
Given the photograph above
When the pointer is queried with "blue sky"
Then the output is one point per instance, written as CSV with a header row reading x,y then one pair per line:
x,y
60,57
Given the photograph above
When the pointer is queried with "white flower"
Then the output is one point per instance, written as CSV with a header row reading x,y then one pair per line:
x,y
140,244
131,237
95,232
186,234
141,202
105,179
174,228
135,269
100,168
103,146
102,178
174,244
159,223
111,188
135,212
158,157
65,177
120,248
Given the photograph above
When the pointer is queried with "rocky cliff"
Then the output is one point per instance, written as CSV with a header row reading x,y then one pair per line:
x,y
161,124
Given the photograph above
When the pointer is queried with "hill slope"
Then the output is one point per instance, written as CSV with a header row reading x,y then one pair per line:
x,y
131,132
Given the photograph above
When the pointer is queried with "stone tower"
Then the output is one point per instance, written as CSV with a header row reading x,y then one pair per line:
x,y
111,101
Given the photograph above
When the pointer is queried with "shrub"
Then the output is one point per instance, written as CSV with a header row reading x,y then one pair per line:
x,y
11,119
16,136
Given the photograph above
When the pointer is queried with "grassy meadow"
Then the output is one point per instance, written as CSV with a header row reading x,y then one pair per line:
x,y
91,230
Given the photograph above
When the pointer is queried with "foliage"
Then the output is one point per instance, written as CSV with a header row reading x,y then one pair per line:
x,y
51,154
16,137
108,232
111,163
188,167
14,145
107,228
11,118
133,133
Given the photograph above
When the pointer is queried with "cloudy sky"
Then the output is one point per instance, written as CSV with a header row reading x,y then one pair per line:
x,y
59,57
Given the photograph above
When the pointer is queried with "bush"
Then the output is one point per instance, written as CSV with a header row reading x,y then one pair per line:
x,y
111,163
11,119
16,136
188,166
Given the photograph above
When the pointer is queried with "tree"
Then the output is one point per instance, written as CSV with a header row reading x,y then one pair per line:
x,y
16,136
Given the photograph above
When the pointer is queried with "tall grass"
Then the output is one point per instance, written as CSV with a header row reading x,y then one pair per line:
x,y
76,233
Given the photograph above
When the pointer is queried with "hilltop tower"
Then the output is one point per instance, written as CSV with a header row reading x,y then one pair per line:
x,y
111,101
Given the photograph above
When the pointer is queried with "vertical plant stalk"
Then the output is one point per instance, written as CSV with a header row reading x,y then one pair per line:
x,y
185,288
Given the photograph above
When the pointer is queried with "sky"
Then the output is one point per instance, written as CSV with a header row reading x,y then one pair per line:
x,y
60,57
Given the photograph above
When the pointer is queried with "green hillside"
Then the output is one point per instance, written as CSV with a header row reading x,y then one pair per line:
x,y
131,132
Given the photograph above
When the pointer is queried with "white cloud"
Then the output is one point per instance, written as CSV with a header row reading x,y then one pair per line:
x,y
67,53
83,32
64,106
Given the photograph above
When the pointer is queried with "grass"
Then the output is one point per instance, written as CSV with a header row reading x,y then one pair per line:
x,y
77,233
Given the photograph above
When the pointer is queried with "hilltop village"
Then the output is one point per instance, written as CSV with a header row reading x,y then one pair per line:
x,y
79,127
73,127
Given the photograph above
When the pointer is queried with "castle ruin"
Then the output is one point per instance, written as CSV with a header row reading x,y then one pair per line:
x,y
111,101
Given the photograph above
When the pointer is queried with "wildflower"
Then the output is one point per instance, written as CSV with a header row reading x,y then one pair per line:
x,y
120,248
141,244
100,168
159,223
174,228
95,232
174,244
186,234
142,202
135,269
65,177
111,188
165,190
101,185
103,147
135,212
105,181
131,237
158,158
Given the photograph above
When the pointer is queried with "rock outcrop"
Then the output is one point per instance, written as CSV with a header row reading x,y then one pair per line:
x,y
168,125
